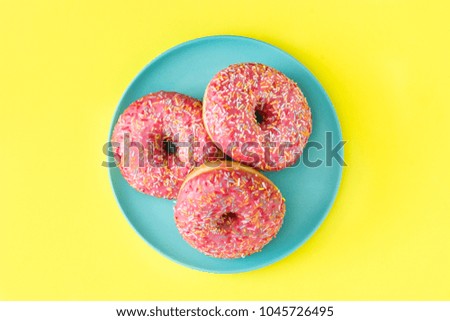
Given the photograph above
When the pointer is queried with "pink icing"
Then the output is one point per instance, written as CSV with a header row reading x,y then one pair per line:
x,y
152,119
229,105
229,212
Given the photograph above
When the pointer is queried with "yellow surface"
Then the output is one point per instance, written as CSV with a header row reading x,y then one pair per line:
x,y
64,66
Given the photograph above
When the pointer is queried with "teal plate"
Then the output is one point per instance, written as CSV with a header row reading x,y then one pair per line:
x,y
309,191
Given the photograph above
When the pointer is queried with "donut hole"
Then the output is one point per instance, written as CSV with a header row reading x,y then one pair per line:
x,y
226,220
170,147
259,116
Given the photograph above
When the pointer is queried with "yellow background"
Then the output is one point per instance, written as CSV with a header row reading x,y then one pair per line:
x,y
63,68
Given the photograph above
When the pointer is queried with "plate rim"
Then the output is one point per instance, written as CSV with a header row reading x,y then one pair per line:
x,y
296,246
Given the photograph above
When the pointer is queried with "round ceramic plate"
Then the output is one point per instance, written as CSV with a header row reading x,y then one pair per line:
x,y
309,189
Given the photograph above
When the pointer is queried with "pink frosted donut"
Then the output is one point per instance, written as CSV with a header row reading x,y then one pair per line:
x,y
227,210
231,101
141,136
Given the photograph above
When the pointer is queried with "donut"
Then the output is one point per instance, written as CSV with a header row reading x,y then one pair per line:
x,y
227,210
158,140
240,94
